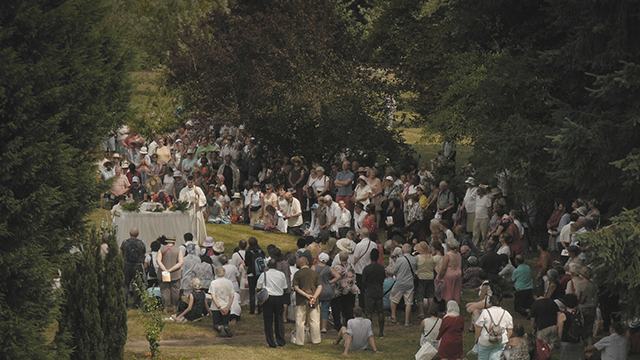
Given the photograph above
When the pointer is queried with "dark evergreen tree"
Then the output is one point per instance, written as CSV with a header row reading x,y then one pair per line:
x,y
64,82
80,309
113,310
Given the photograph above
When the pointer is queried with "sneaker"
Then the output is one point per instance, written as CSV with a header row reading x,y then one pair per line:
x,y
381,335
324,331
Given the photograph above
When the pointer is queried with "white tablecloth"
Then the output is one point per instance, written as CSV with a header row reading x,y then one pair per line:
x,y
152,225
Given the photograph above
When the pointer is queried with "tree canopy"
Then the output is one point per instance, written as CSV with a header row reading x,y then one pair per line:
x,y
544,89
289,71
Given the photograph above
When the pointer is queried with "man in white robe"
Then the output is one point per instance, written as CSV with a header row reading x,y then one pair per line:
x,y
197,202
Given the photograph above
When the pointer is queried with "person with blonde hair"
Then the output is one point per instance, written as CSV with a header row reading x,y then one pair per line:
x,y
196,304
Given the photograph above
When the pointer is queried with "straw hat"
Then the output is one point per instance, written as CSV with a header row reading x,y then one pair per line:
x,y
218,247
346,245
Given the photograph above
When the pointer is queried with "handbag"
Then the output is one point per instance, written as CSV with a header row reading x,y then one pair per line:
x,y
426,352
263,294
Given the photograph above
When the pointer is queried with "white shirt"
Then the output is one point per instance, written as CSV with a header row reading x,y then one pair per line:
x,y
565,234
231,274
357,220
238,257
223,289
484,321
344,219
470,199
276,282
291,208
362,251
483,204
333,211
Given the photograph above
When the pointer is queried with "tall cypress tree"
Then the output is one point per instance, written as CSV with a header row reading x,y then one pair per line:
x,y
80,311
113,310
64,82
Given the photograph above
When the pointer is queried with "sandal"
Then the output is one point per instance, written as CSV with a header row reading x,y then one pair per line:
x,y
392,319
407,324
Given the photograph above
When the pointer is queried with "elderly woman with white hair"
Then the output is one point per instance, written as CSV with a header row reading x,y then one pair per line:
x,y
222,294
328,276
196,304
451,272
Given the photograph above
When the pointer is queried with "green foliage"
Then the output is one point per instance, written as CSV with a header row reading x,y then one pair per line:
x,y
113,310
150,315
63,84
285,67
181,206
131,206
80,310
615,255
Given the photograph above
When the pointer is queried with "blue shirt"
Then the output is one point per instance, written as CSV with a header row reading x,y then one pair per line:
x,y
522,277
348,189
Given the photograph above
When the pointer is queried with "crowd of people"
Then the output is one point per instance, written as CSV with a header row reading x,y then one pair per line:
x,y
346,220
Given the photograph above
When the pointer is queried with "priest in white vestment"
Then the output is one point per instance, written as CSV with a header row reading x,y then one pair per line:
x,y
197,204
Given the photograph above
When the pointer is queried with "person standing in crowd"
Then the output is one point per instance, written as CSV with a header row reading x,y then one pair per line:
x,y
571,347
275,282
343,184
405,267
357,335
297,178
254,255
308,286
493,319
222,295
544,316
197,201
373,276
446,202
132,251
362,259
451,272
170,259
328,277
469,202
293,213
343,219
481,220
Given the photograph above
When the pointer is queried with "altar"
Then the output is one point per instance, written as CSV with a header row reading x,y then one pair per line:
x,y
152,225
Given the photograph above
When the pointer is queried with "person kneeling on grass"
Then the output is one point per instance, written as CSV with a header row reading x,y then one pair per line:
x,y
357,334
196,305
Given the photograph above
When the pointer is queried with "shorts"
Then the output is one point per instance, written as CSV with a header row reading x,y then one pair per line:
x,y
395,296
372,305
426,290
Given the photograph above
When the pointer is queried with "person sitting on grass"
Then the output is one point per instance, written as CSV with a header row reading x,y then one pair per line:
x,y
613,347
196,306
357,334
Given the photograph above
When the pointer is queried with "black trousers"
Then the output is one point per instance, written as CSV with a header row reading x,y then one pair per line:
x,y
522,301
361,287
253,280
273,310
342,309
130,271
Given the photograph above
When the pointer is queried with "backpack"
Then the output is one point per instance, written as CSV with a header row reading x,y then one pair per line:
x,y
495,289
575,332
258,264
131,255
495,331
151,269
